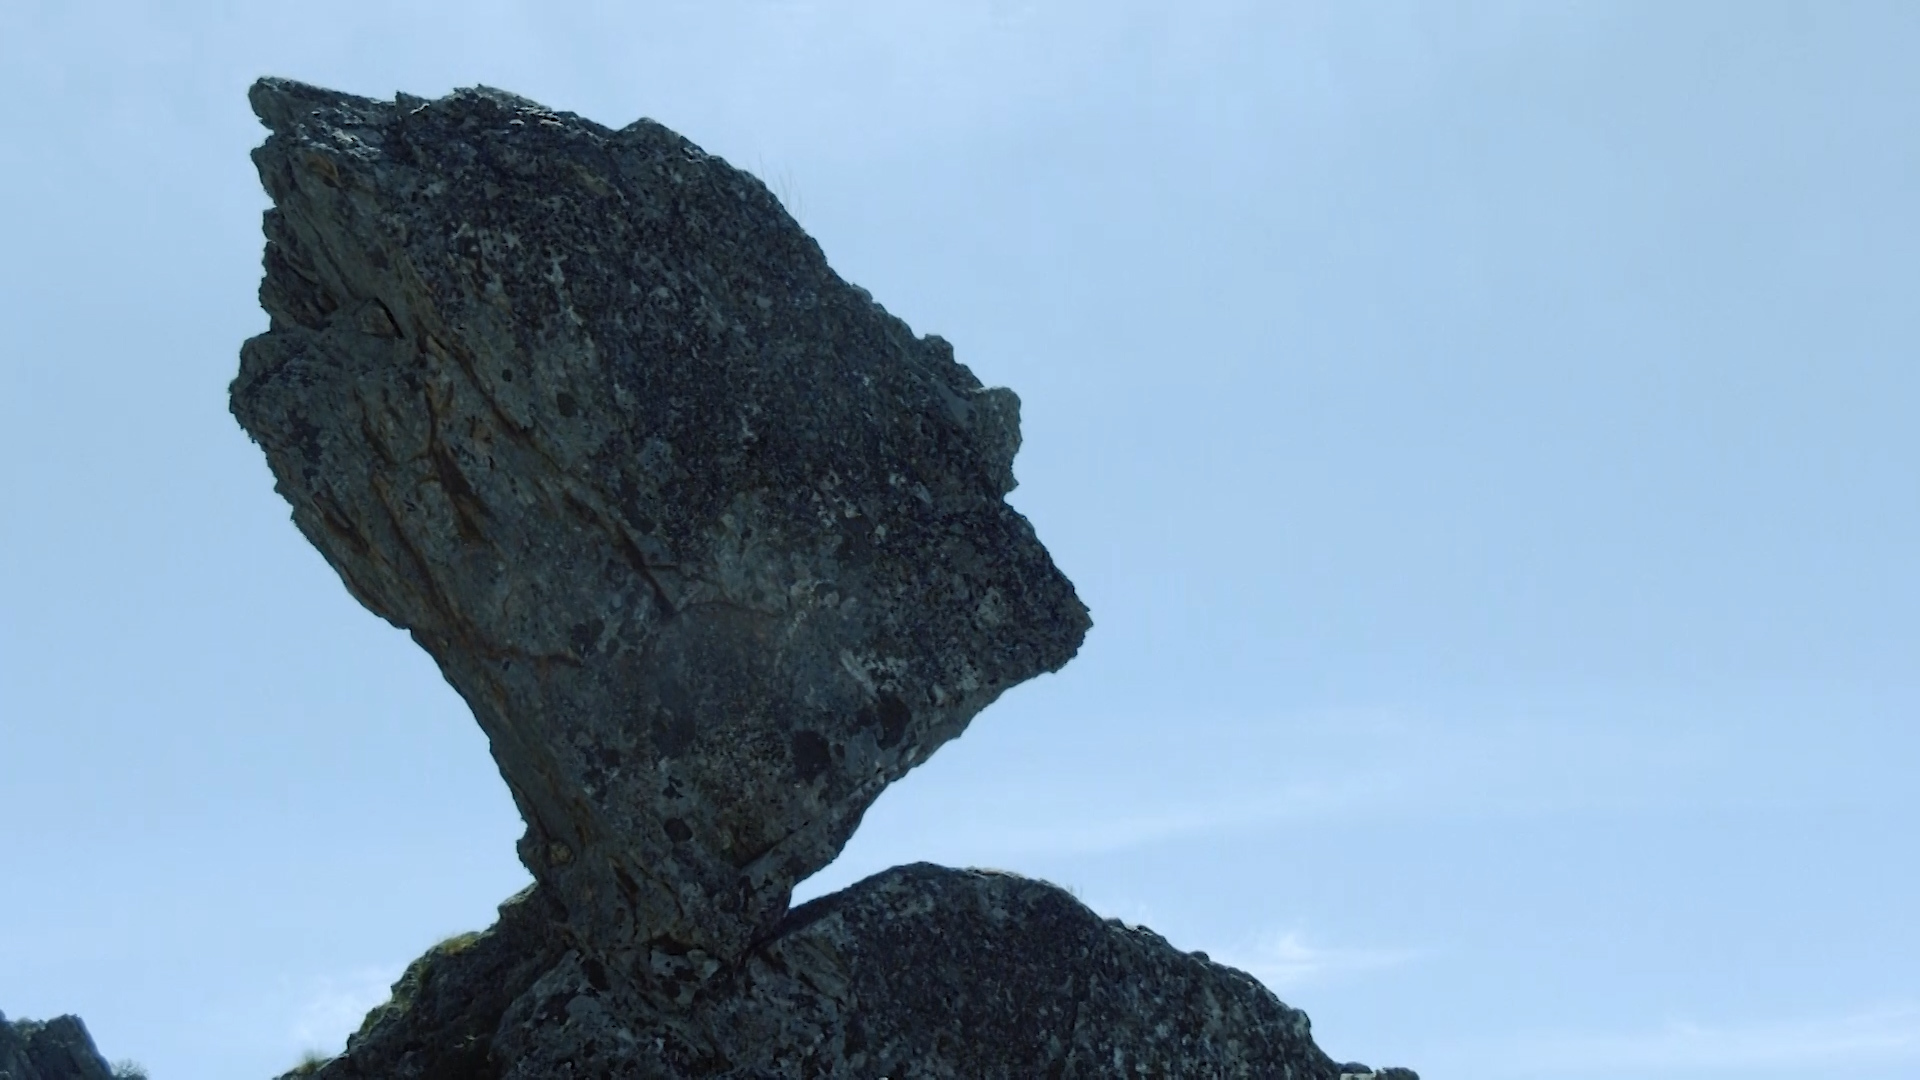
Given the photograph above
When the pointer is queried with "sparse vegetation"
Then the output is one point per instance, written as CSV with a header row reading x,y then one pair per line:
x,y
310,1062
457,944
779,183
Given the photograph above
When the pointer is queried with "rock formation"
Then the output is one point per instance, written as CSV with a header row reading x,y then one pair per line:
x,y
59,1049
715,548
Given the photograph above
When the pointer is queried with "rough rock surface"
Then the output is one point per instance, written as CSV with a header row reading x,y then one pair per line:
x,y
919,971
714,546
56,1049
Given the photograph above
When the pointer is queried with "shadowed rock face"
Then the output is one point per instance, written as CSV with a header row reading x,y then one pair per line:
x,y
714,547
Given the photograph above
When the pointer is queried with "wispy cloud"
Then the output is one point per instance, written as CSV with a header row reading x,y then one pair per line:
x,y
1089,835
1007,797
336,1004
1220,776
1881,1035
1286,961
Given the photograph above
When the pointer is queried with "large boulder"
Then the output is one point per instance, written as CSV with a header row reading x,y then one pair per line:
x,y
714,546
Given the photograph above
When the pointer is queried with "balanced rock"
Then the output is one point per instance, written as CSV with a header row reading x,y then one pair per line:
x,y
56,1049
714,546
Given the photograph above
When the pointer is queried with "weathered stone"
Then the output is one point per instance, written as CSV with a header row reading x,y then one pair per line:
x,y
56,1049
714,547
919,972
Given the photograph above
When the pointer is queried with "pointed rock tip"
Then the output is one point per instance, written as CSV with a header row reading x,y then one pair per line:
x,y
280,102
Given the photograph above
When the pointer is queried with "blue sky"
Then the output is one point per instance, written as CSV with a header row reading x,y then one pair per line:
x,y
1484,434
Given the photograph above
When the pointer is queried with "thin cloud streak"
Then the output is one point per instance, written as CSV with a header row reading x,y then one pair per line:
x,y
1101,836
1350,767
1369,765
1286,961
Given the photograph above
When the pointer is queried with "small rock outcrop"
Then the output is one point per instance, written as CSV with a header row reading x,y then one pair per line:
x,y
715,548
56,1049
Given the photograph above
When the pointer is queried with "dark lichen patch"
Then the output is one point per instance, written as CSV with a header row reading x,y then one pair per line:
x,y
585,636
888,719
812,755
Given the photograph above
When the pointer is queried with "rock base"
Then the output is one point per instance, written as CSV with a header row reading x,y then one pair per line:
x,y
920,971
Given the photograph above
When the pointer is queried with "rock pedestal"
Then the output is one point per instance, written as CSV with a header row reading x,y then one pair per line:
x,y
715,548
